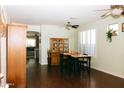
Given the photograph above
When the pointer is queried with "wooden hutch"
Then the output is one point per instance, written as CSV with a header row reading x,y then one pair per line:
x,y
57,46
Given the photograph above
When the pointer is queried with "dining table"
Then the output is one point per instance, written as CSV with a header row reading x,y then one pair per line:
x,y
78,59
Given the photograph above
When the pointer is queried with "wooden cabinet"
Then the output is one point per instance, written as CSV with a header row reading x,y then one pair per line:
x,y
57,46
16,53
55,58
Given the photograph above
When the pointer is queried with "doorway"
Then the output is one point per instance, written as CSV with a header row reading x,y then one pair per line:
x,y
33,46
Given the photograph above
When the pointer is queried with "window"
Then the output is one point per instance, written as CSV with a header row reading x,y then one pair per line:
x,y
87,42
31,42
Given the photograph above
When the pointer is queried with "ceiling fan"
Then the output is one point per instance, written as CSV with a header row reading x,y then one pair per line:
x,y
114,11
69,26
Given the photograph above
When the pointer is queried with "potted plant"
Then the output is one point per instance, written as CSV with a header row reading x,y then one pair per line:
x,y
109,35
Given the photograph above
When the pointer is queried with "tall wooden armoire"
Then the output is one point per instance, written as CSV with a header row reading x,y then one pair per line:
x,y
16,55
0,45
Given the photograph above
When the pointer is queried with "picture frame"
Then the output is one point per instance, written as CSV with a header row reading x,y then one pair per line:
x,y
122,27
114,27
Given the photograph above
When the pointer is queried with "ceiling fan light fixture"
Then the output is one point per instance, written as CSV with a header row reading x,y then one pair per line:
x,y
68,24
116,12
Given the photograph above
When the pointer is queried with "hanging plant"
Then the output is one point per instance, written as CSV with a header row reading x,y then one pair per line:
x,y
109,35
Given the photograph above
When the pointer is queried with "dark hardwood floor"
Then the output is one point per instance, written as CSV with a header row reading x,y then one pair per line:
x,y
50,77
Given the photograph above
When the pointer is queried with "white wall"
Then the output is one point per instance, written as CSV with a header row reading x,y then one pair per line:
x,y
51,31
54,31
5,19
3,60
109,56
76,40
35,28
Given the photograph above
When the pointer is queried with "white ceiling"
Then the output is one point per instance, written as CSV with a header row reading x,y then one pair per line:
x,y
53,14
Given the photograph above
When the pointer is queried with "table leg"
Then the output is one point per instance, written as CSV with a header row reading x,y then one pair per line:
x,y
89,64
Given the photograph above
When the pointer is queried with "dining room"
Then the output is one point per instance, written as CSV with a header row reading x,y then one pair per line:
x,y
73,50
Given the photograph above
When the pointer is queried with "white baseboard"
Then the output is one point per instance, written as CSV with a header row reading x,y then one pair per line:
x,y
43,63
114,74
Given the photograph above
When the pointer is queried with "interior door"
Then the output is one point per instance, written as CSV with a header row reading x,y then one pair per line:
x,y
16,62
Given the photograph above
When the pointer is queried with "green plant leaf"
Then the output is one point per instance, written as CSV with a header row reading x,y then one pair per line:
x,y
109,35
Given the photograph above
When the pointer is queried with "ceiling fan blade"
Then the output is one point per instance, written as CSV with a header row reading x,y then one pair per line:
x,y
117,6
67,28
103,10
106,14
75,26
122,13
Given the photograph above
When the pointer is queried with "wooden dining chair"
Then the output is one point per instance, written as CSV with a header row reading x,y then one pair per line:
x,y
70,64
49,58
63,62
84,64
